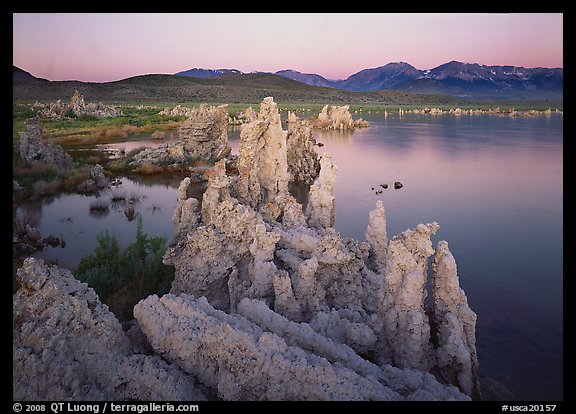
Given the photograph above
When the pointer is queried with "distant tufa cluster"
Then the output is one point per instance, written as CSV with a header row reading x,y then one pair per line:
x,y
78,107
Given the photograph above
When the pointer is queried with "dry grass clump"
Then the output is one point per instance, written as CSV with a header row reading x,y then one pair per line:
x,y
37,169
117,195
148,168
100,204
75,177
42,188
20,221
115,132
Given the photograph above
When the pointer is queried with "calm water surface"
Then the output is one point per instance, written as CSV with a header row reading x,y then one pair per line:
x,y
494,184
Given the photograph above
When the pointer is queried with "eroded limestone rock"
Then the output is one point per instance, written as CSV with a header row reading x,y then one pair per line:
x,y
410,384
178,110
78,107
186,215
204,134
456,324
68,345
321,208
95,181
34,148
313,306
303,162
338,117
292,117
245,360
248,115
262,162
377,236
405,336
249,245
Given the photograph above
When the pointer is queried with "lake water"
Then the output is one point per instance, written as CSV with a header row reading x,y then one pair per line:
x,y
494,184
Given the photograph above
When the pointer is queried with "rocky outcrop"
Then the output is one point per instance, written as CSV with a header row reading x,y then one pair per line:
x,y
178,110
69,346
95,181
78,107
204,134
262,162
405,335
170,156
34,148
99,110
263,168
209,254
363,297
321,208
249,361
292,117
269,303
56,110
455,323
337,117
248,115
361,123
303,162
377,237
186,215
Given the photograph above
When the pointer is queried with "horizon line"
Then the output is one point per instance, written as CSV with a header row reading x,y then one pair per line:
x,y
289,69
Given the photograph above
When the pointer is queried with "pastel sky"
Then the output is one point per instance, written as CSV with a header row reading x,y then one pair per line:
x,y
107,47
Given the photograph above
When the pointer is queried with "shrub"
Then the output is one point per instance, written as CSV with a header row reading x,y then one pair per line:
x,y
122,277
100,204
117,195
74,177
147,168
38,169
42,188
19,222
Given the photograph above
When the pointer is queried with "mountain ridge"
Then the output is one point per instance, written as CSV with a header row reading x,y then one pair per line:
x,y
459,79
227,88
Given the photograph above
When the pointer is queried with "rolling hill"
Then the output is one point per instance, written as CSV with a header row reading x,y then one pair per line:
x,y
226,88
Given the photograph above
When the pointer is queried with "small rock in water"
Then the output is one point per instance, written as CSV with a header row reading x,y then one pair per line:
x,y
33,233
320,144
384,185
398,185
51,240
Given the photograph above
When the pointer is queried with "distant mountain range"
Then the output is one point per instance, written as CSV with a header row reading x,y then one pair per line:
x,y
206,73
463,80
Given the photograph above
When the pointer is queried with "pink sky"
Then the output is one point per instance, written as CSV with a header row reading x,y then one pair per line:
x,y
107,47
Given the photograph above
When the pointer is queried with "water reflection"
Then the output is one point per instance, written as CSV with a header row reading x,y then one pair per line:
x,y
119,149
76,219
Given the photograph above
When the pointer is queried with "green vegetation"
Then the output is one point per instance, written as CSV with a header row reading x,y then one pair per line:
x,y
88,130
122,277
